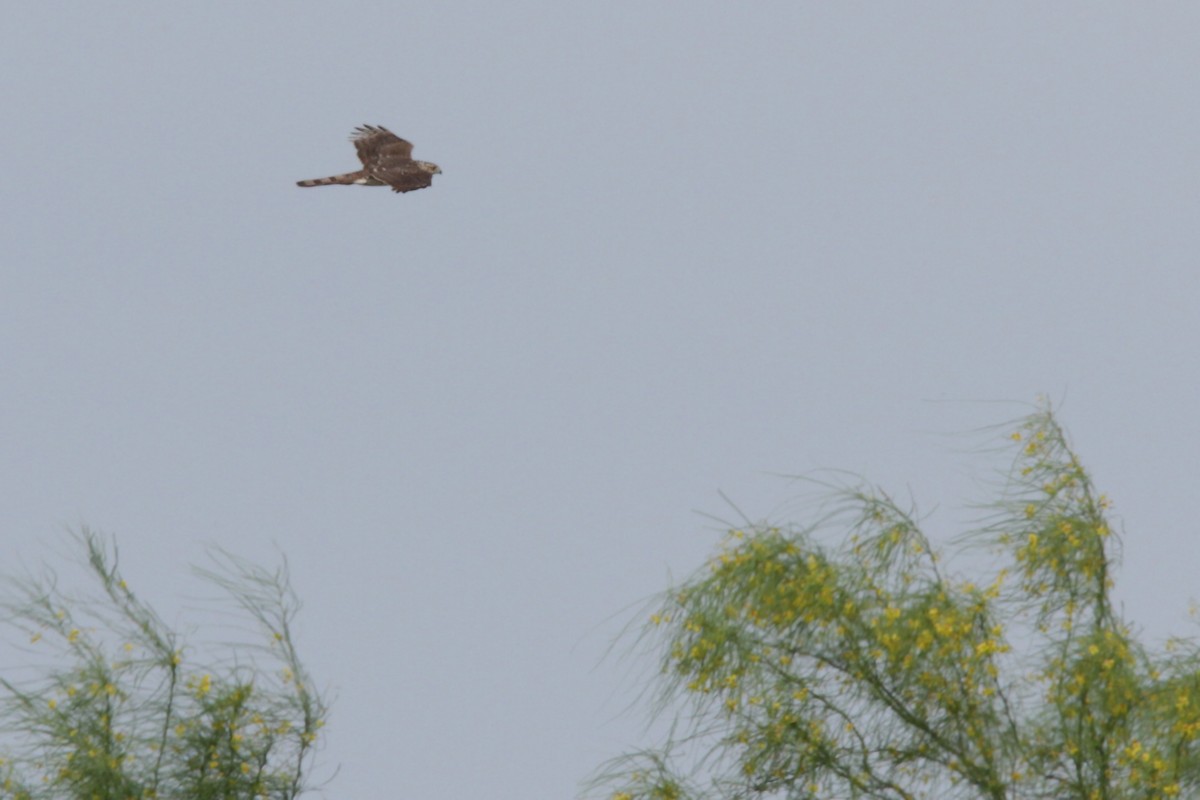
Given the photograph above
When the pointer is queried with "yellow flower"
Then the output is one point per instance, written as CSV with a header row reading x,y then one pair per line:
x,y
73,636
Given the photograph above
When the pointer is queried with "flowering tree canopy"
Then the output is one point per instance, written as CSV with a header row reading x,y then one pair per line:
x,y
121,710
864,669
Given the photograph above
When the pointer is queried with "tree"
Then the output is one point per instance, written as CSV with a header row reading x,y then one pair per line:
x,y
119,709
863,669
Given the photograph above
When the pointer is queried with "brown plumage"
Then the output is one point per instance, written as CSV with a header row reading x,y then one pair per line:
x,y
387,161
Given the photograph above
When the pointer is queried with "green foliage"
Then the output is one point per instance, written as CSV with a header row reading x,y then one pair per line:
x,y
864,670
120,711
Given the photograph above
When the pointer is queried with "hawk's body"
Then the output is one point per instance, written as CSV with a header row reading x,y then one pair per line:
x,y
387,161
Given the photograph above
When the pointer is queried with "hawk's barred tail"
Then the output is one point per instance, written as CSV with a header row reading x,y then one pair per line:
x,y
345,180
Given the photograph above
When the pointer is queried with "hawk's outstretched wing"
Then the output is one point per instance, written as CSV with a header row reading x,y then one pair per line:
x,y
375,143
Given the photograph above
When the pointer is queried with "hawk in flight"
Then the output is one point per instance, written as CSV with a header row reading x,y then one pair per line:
x,y
387,161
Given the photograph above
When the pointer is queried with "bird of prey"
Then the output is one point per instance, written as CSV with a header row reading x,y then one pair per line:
x,y
387,161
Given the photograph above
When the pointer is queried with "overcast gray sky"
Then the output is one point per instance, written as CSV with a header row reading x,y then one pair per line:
x,y
678,249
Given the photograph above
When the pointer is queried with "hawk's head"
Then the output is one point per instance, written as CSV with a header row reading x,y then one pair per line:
x,y
431,168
